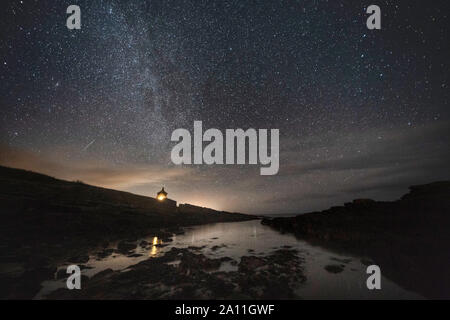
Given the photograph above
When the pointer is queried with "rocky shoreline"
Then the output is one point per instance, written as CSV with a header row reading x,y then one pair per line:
x,y
187,274
46,222
407,238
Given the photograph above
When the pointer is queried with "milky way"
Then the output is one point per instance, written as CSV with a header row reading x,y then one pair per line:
x,y
361,113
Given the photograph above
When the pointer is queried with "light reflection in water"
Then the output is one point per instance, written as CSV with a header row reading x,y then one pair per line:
x,y
155,243
238,238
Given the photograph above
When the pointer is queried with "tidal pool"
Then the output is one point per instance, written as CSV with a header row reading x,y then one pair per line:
x,y
329,275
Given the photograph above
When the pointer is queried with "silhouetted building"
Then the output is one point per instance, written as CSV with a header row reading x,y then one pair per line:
x,y
161,195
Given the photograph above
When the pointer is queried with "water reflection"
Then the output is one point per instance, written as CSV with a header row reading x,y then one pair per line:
x,y
238,239
154,250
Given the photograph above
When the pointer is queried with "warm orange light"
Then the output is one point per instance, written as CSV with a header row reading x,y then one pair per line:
x,y
155,243
161,197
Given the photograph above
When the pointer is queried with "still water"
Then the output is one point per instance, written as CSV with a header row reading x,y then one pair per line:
x,y
237,239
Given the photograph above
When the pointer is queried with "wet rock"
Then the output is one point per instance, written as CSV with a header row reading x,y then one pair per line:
x,y
346,261
226,259
275,278
190,261
11,269
84,267
367,262
102,274
105,253
196,248
332,268
29,283
135,255
215,248
143,243
79,259
38,260
250,263
124,246
61,273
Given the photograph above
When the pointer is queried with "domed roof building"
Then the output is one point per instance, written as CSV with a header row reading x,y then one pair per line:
x,y
161,195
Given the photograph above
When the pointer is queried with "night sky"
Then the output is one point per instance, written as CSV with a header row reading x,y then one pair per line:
x,y
361,113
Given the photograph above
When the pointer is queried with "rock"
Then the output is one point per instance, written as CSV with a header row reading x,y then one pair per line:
x,y
196,248
366,262
333,268
29,284
226,259
270,277
250,263
11,269
143,243
61,274
102,274
124,246
105,253
346,261
193,261
79,259
84,267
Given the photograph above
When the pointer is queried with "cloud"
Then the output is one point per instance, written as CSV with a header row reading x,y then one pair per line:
x,y
397,150
379,163
95,172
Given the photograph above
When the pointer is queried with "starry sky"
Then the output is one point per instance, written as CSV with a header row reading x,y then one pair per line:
x,y
361,113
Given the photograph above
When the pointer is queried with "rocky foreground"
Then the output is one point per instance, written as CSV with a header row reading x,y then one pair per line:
x,y
409,238
45,222
187,274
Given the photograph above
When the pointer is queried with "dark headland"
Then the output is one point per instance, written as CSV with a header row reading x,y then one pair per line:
x,y
44,221
409,238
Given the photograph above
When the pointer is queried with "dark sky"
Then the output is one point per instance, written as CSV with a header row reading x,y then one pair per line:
x,y
361,113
